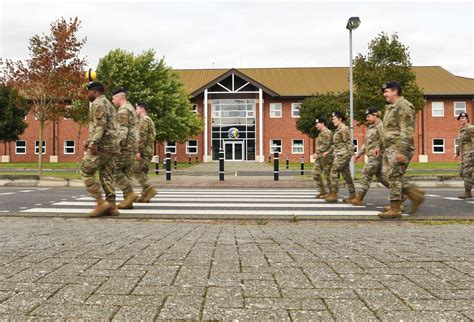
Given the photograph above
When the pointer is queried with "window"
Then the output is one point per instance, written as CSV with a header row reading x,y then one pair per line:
x,y
20,147
456,146
192,147
194,108
69,147
275,110
295,110
170,147
437,109
275,146
459,107
43,147
438,145
297,146
356,145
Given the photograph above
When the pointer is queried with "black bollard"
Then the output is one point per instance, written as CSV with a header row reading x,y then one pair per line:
x,y
168,166
175,163
302,166
287,162
157,165
276,167
189,159
269,158
221,164
197,159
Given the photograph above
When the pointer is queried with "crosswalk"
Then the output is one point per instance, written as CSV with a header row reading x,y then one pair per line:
x,y
238,203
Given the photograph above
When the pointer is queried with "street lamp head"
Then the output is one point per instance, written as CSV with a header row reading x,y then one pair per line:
x,y
353,23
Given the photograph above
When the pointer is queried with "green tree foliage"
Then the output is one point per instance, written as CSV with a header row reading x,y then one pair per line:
x,y
387,60
12,114
149,80
320,105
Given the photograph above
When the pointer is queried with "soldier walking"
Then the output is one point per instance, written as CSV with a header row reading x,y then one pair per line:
x,y
128,132
466,151
343,151
398,145
146,140
101,151
372,149
322,160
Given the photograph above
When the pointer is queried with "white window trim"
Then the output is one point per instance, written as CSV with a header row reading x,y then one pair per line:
x,y
274,145
293,105
293,146
281,110
356,145
175,148
456,145
433,146
39,147
25,147
454,108
432,115
192,146
73,147
194,108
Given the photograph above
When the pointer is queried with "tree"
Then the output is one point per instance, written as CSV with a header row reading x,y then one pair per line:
x,y
52,75
149,80
320,105
12,114
78,111
387,60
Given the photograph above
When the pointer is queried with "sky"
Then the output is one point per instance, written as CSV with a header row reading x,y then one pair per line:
x,y
226,34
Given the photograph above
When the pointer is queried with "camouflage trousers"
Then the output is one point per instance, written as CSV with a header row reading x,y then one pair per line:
x,y
394,172
341,166
140,172
105,164
466,170
373,167
322,166
123,172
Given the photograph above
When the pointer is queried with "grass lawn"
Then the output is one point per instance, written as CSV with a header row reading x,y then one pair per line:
x,y
69,165
414,166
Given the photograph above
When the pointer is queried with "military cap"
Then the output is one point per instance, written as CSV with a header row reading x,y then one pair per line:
x,y
371,110
95,86
392,85
463,114
321,120
340,115
118,90
143,105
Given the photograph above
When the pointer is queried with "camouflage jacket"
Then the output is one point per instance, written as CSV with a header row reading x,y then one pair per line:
x,y
103,126
373,139
466,140
128,127
324,142
342,142
147,133
399,126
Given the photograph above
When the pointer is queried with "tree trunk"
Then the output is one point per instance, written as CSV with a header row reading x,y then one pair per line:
x,y
40,149
78,156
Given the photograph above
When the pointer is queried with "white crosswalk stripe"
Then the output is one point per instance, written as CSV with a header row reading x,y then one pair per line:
x,y
227,202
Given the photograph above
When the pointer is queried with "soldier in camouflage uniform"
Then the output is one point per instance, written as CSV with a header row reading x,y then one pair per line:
x,y
343,149
371,148
101,150
398,147
128,131
466,151
322,161
147,133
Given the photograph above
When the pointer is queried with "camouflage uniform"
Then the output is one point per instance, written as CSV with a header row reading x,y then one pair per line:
x,y
322,165
343,151
373,166
103,129
398,130
128,131
147,133
466,150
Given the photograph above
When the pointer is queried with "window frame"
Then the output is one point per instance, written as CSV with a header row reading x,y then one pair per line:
x,y
272,110
433,145
432,110
65,146
356,145
24,147
191,146
454,108
294,109
293,146
37,147
167,146
456,145
272,145
194,108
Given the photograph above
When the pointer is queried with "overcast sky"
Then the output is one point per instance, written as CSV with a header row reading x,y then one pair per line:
x,y
225,34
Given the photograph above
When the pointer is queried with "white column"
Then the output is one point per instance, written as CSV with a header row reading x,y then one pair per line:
x,y
205,156
260,124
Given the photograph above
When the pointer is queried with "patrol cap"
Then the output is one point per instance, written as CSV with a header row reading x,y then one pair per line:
x,y
95,86
118,90
463,114
321,120
340,115
143,105
371,110
392,84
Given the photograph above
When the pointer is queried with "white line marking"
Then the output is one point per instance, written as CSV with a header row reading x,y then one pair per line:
x,y
38,204
232,193
3,210
26,190
435,196
23,207
6,193
451,198
222,199
43,189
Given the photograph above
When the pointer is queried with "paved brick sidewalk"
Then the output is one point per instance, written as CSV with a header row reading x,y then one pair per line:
x,y
103,269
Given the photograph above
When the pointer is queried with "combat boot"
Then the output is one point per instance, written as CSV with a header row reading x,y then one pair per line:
x,y
149,193
394,212
331,197
113,210
359,199
417,196
351,197
139,199
467,195
100,209
322,193
402,207
127,203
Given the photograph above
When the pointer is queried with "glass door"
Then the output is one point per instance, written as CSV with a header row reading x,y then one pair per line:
x,y
234,151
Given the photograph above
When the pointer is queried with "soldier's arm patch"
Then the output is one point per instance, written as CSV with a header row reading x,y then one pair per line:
x,y
122,118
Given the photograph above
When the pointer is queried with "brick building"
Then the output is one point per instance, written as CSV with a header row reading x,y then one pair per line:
x,y
250,113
